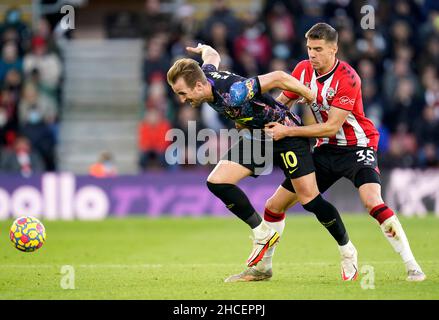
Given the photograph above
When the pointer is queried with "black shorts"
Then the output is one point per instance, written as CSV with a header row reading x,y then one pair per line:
x,y
291,154
358,164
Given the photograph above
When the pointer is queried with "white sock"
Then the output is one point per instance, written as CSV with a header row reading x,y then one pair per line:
x,y
267,261
261,231
399,242
347,249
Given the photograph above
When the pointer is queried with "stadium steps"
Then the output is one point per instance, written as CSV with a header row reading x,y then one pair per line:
x,y
203,8
102,94
103,72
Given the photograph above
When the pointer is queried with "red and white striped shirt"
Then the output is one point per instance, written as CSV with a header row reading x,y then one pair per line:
x,y
341,88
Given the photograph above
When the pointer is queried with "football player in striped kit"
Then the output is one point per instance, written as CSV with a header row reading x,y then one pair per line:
x,y
347,141
247,102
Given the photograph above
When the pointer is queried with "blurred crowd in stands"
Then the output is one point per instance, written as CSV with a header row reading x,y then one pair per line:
x,y
30,74
398,63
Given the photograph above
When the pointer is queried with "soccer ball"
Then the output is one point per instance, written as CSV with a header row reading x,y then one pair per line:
x,y
27,234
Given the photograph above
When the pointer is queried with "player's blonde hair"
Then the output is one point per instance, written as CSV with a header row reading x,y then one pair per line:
x,y
189,70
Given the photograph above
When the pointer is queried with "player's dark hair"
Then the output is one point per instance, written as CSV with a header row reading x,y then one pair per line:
x,y
322,31
188,69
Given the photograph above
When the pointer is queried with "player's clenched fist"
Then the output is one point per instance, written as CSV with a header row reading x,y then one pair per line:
x,y
276,130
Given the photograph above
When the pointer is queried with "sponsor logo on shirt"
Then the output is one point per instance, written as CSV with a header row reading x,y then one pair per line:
x,y
346,100
250,91
319,107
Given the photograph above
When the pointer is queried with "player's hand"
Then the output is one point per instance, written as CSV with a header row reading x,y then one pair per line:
x,y
276,130
308,99
197,50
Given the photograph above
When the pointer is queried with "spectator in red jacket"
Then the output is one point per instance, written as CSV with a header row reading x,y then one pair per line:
x,y
104,167
152,143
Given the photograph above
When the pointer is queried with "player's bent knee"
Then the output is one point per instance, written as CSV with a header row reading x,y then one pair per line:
x,y
307,195
370,195
372,201
215,180
366,176
218,178
306,188
218,188
275,206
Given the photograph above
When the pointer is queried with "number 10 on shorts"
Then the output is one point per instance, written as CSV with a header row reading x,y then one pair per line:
x,y
290,161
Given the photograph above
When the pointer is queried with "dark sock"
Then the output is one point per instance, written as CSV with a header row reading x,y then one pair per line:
x,y
329,217
236,201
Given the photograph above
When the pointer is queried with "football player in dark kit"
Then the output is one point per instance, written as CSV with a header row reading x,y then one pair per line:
x,y
245,101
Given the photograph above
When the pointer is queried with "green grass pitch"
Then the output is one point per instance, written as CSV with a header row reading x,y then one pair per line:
x,y
188,259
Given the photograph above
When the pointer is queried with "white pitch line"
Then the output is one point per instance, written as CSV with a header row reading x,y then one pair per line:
x,y
116,266
192,265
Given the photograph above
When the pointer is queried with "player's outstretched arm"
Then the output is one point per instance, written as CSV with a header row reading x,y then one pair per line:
x,y
285,100
208,54
282,80
243,91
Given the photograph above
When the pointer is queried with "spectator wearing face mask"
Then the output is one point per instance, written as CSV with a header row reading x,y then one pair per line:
x,y
104,167
47,63
31,101
21,159
41,137
254,42
35,117
9,60
13,27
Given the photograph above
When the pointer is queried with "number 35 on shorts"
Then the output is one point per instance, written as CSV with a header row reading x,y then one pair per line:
x,y
290,161
366,156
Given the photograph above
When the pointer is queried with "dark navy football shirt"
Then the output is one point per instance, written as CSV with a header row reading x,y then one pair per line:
x,y
240,99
